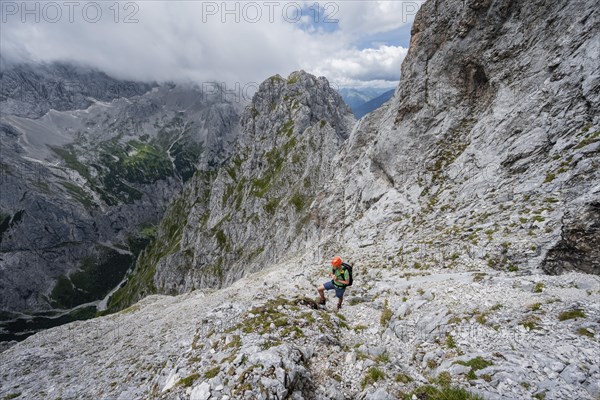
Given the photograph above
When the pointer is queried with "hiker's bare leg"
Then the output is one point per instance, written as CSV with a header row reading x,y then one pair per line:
x,y
321,291
340,300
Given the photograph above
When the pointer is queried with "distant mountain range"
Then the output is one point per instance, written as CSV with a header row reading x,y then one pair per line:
x,y
364,100
372,105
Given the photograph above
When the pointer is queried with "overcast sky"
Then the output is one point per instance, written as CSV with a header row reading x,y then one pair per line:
x,y
352,43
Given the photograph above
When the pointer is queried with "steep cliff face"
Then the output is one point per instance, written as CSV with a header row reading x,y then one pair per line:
x,y
81,189
490,142
254,210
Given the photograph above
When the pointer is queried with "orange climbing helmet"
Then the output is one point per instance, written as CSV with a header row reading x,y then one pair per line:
x,y
336,261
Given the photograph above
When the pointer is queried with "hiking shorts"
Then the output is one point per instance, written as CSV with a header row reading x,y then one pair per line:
x,y
339,291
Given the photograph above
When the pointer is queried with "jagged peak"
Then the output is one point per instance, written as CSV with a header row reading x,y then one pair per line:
x,y
301,97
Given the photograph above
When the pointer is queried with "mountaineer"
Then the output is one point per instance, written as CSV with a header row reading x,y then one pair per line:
x,y
341,278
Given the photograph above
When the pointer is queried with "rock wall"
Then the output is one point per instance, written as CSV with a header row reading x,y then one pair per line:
x,y
490,140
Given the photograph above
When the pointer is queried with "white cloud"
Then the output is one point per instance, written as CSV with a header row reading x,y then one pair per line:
x,y
369,17
187,40
350,66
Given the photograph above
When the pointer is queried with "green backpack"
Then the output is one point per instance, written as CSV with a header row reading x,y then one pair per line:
x,y
348,268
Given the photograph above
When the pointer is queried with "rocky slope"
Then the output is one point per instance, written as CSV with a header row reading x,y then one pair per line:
x,y
254,210
402,332
452,201
83,188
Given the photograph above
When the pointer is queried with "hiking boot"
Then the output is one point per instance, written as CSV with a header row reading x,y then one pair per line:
x,y
322,302
339,306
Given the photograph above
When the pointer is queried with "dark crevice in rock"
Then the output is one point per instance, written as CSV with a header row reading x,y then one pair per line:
x,y
579,246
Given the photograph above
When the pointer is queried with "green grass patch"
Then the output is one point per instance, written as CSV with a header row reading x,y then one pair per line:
x,y
261,185
373,375
444,379
403,378
549,177
188,381
287,129
585,332
590,138
211,373
221,239
382,358
476,364
11,396
530,323
271,206
298,201
386,314
450,342
571,314
430,392
539,287
235,342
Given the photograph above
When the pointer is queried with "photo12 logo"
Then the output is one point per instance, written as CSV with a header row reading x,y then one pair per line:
x,y
236,92
254,12
69,11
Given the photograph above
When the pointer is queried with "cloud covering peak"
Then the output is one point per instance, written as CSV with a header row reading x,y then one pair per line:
x,y
203,41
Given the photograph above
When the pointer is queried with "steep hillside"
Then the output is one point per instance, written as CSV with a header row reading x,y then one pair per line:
x,y
412,333
254,210
82,190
